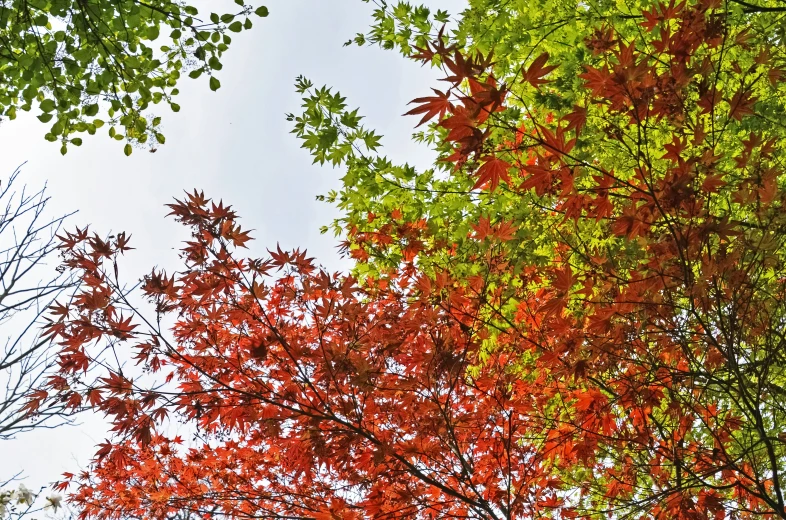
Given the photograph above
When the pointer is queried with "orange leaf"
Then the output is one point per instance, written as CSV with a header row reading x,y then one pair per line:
x,y
432,106
537,70
491,172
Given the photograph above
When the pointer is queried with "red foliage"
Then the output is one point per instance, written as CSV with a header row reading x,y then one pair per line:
x,y
311,396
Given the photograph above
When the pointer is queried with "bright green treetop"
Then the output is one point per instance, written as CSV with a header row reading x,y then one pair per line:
x,y
513,34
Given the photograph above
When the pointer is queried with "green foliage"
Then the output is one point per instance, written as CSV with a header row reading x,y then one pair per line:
x,y
74,61
330,132
401,26
513,34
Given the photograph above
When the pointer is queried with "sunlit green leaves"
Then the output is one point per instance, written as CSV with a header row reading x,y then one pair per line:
x,y
330,132
116,57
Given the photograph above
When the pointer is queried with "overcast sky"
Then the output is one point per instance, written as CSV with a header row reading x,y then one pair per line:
x,y
234,144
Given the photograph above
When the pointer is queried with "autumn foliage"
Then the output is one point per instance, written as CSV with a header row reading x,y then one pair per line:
x,y
324,400
631,368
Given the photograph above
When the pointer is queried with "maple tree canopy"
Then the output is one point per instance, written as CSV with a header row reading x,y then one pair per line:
x,y
578,313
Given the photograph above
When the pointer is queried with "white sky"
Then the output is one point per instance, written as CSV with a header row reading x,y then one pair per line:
x,y
234,144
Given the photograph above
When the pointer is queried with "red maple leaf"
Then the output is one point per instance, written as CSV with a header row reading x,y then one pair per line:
x,y
432,106
482,228
537,69
490,173
742,104
576,119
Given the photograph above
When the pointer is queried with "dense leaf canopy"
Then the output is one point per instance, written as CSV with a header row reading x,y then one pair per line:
x,y
578,312
81,65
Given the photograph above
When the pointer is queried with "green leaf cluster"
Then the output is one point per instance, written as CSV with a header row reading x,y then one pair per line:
x,y
82,65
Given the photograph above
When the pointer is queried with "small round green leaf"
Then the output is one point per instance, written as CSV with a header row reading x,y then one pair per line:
x,y
48,105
